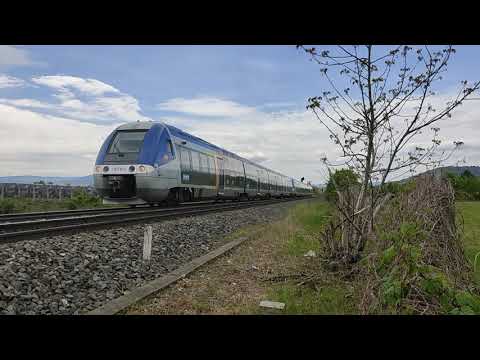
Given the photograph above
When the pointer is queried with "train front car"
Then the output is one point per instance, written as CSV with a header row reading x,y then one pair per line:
x,y
136,165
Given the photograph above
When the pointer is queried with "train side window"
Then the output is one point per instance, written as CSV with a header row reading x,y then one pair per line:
x,y
200,162
225,165
212,165
182,157
231,166
195,161
190,158
207,164
234,167
185,159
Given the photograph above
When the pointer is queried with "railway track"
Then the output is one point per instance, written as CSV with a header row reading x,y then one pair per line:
x,y
7,218
38,225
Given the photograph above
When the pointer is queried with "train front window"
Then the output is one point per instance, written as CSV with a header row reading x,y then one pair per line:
x,y
127,142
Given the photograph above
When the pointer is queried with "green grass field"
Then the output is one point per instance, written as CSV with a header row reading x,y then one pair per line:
x,y
333,297
470,211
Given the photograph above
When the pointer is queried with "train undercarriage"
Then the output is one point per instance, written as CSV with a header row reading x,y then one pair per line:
x,y
125,189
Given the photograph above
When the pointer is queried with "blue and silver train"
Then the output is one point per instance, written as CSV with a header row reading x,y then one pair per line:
x,y
151,163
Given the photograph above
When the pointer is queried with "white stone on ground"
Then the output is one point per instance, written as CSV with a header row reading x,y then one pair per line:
x,y
272,305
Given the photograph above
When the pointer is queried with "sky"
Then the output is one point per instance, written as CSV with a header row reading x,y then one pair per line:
x,y
58,103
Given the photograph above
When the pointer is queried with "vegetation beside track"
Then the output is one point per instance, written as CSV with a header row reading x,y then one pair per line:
x,y
263,268
470,216
272,266
79,200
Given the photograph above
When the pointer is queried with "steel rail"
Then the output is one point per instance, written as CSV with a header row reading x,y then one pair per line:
x,y
129,217
125,213
65,213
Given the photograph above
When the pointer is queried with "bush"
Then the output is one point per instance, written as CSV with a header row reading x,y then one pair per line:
x,y
408,284
81,199
344,178
7,206
466,186
398,187
417,263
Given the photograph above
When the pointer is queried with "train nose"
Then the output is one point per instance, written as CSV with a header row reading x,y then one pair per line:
x,y
115,185
122,186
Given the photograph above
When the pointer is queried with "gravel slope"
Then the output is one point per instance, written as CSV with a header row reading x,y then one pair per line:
x,y
71,274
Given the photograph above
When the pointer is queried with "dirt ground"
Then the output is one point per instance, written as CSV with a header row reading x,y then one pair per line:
x,y
234,283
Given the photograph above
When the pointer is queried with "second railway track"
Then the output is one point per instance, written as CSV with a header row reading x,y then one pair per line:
x,y
4,218
48,225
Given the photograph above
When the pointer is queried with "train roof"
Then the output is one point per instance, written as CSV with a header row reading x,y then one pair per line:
x,y
146,125
139,125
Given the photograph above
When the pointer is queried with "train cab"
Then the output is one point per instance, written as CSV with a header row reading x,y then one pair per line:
x,y
135,163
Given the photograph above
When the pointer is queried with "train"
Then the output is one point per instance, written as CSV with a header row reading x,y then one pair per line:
x,y
149,162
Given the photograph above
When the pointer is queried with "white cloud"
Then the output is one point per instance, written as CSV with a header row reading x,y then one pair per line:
x,y
88,100
38,144
9,81
14,56
62,137
27,103
86,86
279,105
206,106
293,142
287,142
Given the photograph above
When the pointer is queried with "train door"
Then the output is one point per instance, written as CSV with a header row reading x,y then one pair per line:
x,y
258,181
244,177
221,176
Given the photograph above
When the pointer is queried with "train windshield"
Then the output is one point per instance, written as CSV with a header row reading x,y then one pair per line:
x,y
127,142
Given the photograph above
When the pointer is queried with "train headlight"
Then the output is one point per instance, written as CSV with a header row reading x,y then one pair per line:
x,y
105,169
131,168
141,168
98,169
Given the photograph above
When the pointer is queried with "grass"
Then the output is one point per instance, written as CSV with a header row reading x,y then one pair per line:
x,y
229,285
79,200
470,211
333,296
301,300
309,220
16,205
236,282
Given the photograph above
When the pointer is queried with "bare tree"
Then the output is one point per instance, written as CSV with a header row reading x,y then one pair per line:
x,y
377,104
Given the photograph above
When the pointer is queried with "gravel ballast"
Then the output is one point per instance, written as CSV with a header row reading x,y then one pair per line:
x,y
73,274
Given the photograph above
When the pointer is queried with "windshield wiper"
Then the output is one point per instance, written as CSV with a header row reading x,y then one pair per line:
x,y
115,147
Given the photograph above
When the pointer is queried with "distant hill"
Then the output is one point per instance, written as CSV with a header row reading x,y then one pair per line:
x,y
458,170
74,181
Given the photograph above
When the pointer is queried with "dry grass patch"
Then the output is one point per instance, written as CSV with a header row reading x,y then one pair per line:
x,y
268,266
227,285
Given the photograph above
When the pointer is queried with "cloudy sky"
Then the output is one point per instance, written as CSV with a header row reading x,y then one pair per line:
x,y
58,103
